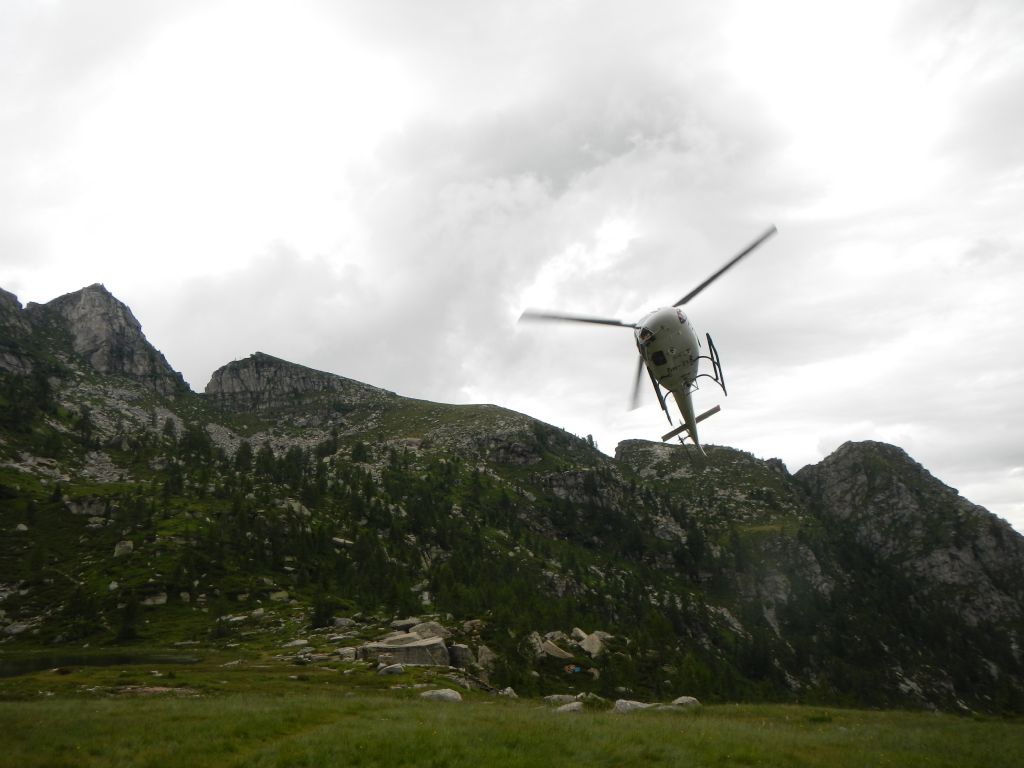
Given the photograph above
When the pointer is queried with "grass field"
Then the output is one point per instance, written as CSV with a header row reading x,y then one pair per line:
x,y
255,714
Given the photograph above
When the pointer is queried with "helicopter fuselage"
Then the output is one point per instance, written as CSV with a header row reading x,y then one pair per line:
x,y
670,348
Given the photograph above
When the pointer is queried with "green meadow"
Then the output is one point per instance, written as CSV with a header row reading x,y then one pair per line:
x,y
260,712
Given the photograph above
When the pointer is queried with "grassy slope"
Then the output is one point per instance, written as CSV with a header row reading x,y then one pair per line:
x,y
257,714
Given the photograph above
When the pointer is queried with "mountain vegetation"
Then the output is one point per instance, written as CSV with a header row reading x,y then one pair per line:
x,y
287,507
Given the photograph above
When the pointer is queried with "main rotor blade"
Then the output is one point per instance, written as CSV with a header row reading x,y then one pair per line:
x,y
768,233
532,314
634,399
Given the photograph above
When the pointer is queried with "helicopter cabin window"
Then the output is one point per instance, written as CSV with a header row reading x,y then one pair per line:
x,y
681,316
645,336
658,358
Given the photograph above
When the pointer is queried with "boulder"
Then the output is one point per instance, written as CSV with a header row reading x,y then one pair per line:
x,y
347,653
392,669
461,656
572,706
421,652
486,658
299,643
441,694
159,598
592,644
686,702
404,625
536,643
431,629
623,706
559,698
123,548
401,638
548,648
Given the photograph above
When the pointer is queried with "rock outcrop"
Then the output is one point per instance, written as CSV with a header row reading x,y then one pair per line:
x,y
407,648
15,332
262,382
893,507
106,335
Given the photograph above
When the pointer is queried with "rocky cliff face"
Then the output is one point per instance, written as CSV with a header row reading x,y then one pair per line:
x,y
106,335
883,500
15,332
262,382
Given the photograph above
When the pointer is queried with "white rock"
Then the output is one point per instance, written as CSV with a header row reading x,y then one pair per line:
x,y
550,649
21,527
686,702
404,625
443,694
572,706
296,643
392,669
622,706
559,698
592,644
112,586
430,629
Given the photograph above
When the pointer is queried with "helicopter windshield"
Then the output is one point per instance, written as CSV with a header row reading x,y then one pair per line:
x,y
644,336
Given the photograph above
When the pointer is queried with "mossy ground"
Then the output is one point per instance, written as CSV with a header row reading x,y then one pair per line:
x,y
256,711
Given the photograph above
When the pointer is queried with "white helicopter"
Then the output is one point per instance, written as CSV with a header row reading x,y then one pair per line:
x,y
670,350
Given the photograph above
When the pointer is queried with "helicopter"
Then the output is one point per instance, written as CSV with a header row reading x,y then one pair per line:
x,y
671,351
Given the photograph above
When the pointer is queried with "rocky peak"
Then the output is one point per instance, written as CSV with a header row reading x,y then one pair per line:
x,y
14,332
877,497
262,382
11,314
105,333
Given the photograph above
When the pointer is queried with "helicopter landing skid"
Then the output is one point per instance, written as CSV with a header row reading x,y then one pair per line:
x,y
682,427
716,365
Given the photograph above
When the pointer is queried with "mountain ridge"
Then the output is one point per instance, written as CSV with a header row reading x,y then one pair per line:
x,y
861,579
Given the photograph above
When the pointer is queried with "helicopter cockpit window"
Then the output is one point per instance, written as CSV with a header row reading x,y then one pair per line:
x,y
645,336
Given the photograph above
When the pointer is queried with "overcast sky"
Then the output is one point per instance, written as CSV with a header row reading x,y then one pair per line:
x,y
378,189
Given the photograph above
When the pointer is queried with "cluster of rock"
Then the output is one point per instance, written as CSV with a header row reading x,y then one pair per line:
x,y
420,644
553,644
568,703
